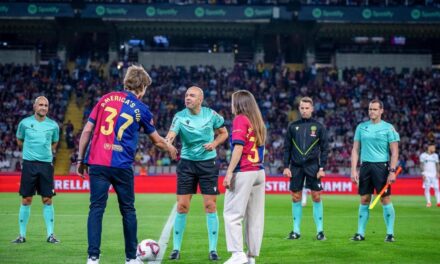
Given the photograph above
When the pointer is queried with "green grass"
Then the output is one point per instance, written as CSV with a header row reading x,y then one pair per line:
x,y
417,231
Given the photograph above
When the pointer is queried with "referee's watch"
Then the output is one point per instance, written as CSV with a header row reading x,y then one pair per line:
x,y
393,170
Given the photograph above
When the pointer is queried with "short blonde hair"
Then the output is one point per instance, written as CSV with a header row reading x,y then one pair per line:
x,y
307,99
136,79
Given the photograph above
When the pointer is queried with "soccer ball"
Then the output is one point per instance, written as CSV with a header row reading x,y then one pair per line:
x,y
147,250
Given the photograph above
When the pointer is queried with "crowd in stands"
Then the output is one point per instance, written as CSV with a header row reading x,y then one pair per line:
x,y
341,101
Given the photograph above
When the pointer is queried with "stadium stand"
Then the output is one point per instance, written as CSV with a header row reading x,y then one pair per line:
x,y
341,101
303,47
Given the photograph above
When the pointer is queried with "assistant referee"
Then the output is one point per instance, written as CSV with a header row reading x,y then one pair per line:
x,y
38,135
375,139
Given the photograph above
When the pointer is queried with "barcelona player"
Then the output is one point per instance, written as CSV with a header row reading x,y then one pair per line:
x,y
113,127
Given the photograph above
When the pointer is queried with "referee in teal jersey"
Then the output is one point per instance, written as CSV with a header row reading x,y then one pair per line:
x,y
38,135
375,139
197,127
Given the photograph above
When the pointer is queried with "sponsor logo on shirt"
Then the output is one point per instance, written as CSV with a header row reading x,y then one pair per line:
x,y
113,147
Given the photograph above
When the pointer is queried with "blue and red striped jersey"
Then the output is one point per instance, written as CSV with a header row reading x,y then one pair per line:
x,y
117,117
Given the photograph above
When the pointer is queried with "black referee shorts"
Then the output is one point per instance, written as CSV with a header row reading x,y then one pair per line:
x,y
373,176
37,176
191,173
306,173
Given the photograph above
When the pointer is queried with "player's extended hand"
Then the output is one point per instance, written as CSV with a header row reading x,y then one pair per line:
x,y
355,177
172,151
287,173
82,169
227,180
320,174
391,177
209,146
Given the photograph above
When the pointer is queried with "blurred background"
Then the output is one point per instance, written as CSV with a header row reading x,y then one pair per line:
x,y
341,53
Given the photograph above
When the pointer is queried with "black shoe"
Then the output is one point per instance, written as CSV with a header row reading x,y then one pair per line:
x,y
19,240
358,237
213,255
321,236
52,239
292,235
389,238
175,254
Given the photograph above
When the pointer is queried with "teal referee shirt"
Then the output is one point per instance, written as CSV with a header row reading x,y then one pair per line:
x,y
38,137
195,131
375,140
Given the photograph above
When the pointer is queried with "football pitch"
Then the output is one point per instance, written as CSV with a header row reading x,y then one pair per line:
x,y
417,231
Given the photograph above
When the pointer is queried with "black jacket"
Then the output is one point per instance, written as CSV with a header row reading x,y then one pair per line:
x,y
306,141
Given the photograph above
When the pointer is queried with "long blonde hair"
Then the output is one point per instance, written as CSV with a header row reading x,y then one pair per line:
x,y
243,102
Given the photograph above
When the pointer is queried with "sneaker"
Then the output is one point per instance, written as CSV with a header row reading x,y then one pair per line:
x,y
358,237
213,255
93,260
428,205
251,260
19,240
292,235
321,236
237,258
390,238
175,254
52,239
134,261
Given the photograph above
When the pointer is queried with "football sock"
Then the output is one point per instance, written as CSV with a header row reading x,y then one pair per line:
x,y
364,214
48,214
427,194
23,218
318,216
437,194
389,216
179,228
212,223
297,215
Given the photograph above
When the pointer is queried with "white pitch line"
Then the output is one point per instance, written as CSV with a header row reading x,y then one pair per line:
x,y
165,236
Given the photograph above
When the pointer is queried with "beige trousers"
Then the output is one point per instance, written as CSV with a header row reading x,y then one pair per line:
x,y
244,203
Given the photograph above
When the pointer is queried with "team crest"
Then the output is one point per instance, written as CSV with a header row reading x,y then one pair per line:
x,y
313,131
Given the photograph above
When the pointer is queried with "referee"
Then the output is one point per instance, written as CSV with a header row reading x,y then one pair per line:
x,y
38,135
197,126
375,139
305,157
